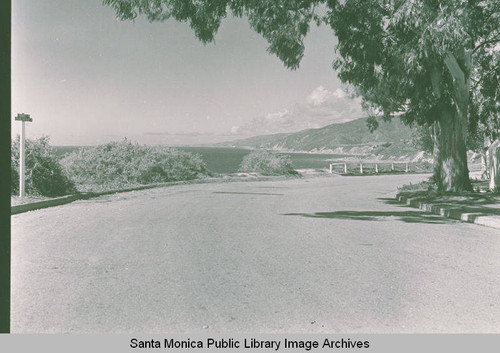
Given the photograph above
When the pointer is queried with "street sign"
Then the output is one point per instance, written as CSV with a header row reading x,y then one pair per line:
x,y
23,117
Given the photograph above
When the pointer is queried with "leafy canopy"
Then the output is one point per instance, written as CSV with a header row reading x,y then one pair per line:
x,y
283,23
409,57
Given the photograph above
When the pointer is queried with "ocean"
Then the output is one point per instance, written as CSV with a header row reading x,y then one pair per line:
x,y
228,159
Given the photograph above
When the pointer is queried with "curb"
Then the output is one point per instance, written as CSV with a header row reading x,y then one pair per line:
x,y
32,206
444,211
43,204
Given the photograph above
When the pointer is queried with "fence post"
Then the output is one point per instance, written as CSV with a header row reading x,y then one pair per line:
x,y
406,168
361,168
392,166
331,168
376,168
345,168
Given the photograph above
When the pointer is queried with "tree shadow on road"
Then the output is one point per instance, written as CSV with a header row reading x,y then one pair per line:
x,y
247,193
469,206
467,201
404,216
390,201
473,205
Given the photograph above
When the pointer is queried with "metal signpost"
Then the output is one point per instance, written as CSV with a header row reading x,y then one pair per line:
x,y
22,118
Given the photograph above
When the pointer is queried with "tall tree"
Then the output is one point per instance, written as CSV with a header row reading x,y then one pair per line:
x,y
429,61
484,122
424,60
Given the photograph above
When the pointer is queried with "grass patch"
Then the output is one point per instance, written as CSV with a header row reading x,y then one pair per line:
x,y
427,189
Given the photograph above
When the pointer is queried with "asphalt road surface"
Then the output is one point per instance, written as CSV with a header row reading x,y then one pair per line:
x,y
326,255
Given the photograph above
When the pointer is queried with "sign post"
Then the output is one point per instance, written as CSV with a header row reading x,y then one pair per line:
x,y
23,118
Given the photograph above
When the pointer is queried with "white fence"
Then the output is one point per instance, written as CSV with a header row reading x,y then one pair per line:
x,y
376,164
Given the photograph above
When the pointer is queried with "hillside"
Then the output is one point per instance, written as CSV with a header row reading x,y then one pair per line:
x,y
390,140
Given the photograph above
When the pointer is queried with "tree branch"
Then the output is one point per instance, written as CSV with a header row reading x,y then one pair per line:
x,y
484,75
490,41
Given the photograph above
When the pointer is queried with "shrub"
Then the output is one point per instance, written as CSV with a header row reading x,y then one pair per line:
x,y
267,163
124,163
14,170
44,175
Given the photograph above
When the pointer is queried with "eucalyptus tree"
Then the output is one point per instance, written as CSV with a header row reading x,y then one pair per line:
x,y
485,96
431,62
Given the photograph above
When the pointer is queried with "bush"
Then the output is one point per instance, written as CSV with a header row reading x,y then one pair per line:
x,y
124,163
44,175
267,163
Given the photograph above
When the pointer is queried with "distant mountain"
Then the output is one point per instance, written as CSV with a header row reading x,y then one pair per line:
x,y
390,140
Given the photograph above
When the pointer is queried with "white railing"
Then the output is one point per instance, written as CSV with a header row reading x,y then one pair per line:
x,y
407,167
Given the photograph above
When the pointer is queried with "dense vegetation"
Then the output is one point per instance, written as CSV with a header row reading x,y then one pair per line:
x,y
103,167
267,163
44,175
124,163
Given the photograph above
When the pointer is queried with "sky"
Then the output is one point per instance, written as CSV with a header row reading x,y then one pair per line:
x,y
87,78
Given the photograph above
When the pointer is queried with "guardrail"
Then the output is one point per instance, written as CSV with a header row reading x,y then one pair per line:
x,y
376,165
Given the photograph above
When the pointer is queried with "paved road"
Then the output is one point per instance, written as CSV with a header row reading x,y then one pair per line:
x,y
329,254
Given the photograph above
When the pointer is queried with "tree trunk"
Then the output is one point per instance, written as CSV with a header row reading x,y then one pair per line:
x,y
494,165
450,130
450,155
485,159
484,165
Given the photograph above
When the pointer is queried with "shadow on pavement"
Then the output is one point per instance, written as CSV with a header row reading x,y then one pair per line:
x,y
390,201
473,205
246,193
404,216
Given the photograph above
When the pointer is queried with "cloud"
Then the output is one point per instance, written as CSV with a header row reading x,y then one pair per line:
x,y
320,95
339,93
320,108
